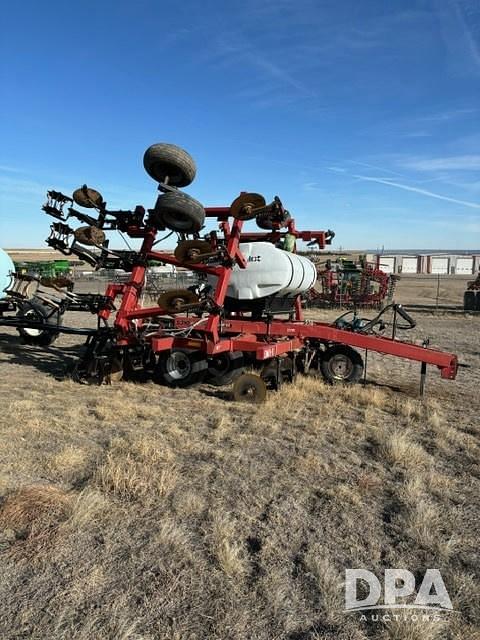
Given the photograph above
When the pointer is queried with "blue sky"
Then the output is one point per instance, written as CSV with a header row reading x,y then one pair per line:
x,y
364,117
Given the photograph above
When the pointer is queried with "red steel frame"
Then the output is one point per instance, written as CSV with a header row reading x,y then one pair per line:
x,y
216,334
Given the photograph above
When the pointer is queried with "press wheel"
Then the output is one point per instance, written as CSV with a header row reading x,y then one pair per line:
x,y
249,388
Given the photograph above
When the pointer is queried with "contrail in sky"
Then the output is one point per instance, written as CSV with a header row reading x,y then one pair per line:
x,y
424,192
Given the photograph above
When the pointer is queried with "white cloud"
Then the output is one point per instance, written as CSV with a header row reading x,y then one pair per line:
x,y
449,163
311,186
450,114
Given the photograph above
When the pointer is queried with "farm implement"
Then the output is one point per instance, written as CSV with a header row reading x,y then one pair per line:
x,y
242,322
345,282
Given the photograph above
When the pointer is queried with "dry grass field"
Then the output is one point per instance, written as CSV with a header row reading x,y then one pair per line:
x,y
425,289
138,512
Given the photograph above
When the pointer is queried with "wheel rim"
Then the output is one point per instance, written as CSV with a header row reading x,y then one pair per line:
x,y
221,365
178,365
250,391
32,333
341,367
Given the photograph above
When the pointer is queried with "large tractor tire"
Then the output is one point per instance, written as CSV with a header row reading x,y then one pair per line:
x,y
37,311
162,161
179,212
341,363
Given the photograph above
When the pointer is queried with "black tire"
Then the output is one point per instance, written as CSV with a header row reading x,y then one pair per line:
x,y
341,364
162,161
477,304
37,311
469,301
249,388
224,368
181,368
179,212
267,222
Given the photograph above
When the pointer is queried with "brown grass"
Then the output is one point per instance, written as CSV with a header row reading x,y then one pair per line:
x,y
137,469
399,448
144,513
32,516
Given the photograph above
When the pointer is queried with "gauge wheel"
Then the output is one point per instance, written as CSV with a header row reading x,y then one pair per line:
x,y
162,161
341,363
225,368
181,368
249,388
36,311
179,212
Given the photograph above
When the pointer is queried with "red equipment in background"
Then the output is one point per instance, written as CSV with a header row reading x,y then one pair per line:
x,y
347,283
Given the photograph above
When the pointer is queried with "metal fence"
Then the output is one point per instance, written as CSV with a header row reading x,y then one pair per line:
x,y
438,291
156,283
435,291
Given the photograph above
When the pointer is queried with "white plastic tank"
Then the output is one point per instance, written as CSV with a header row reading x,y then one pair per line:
x,y
270,272
6,266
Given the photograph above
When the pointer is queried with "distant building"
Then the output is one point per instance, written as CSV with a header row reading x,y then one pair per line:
x,y
425,263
